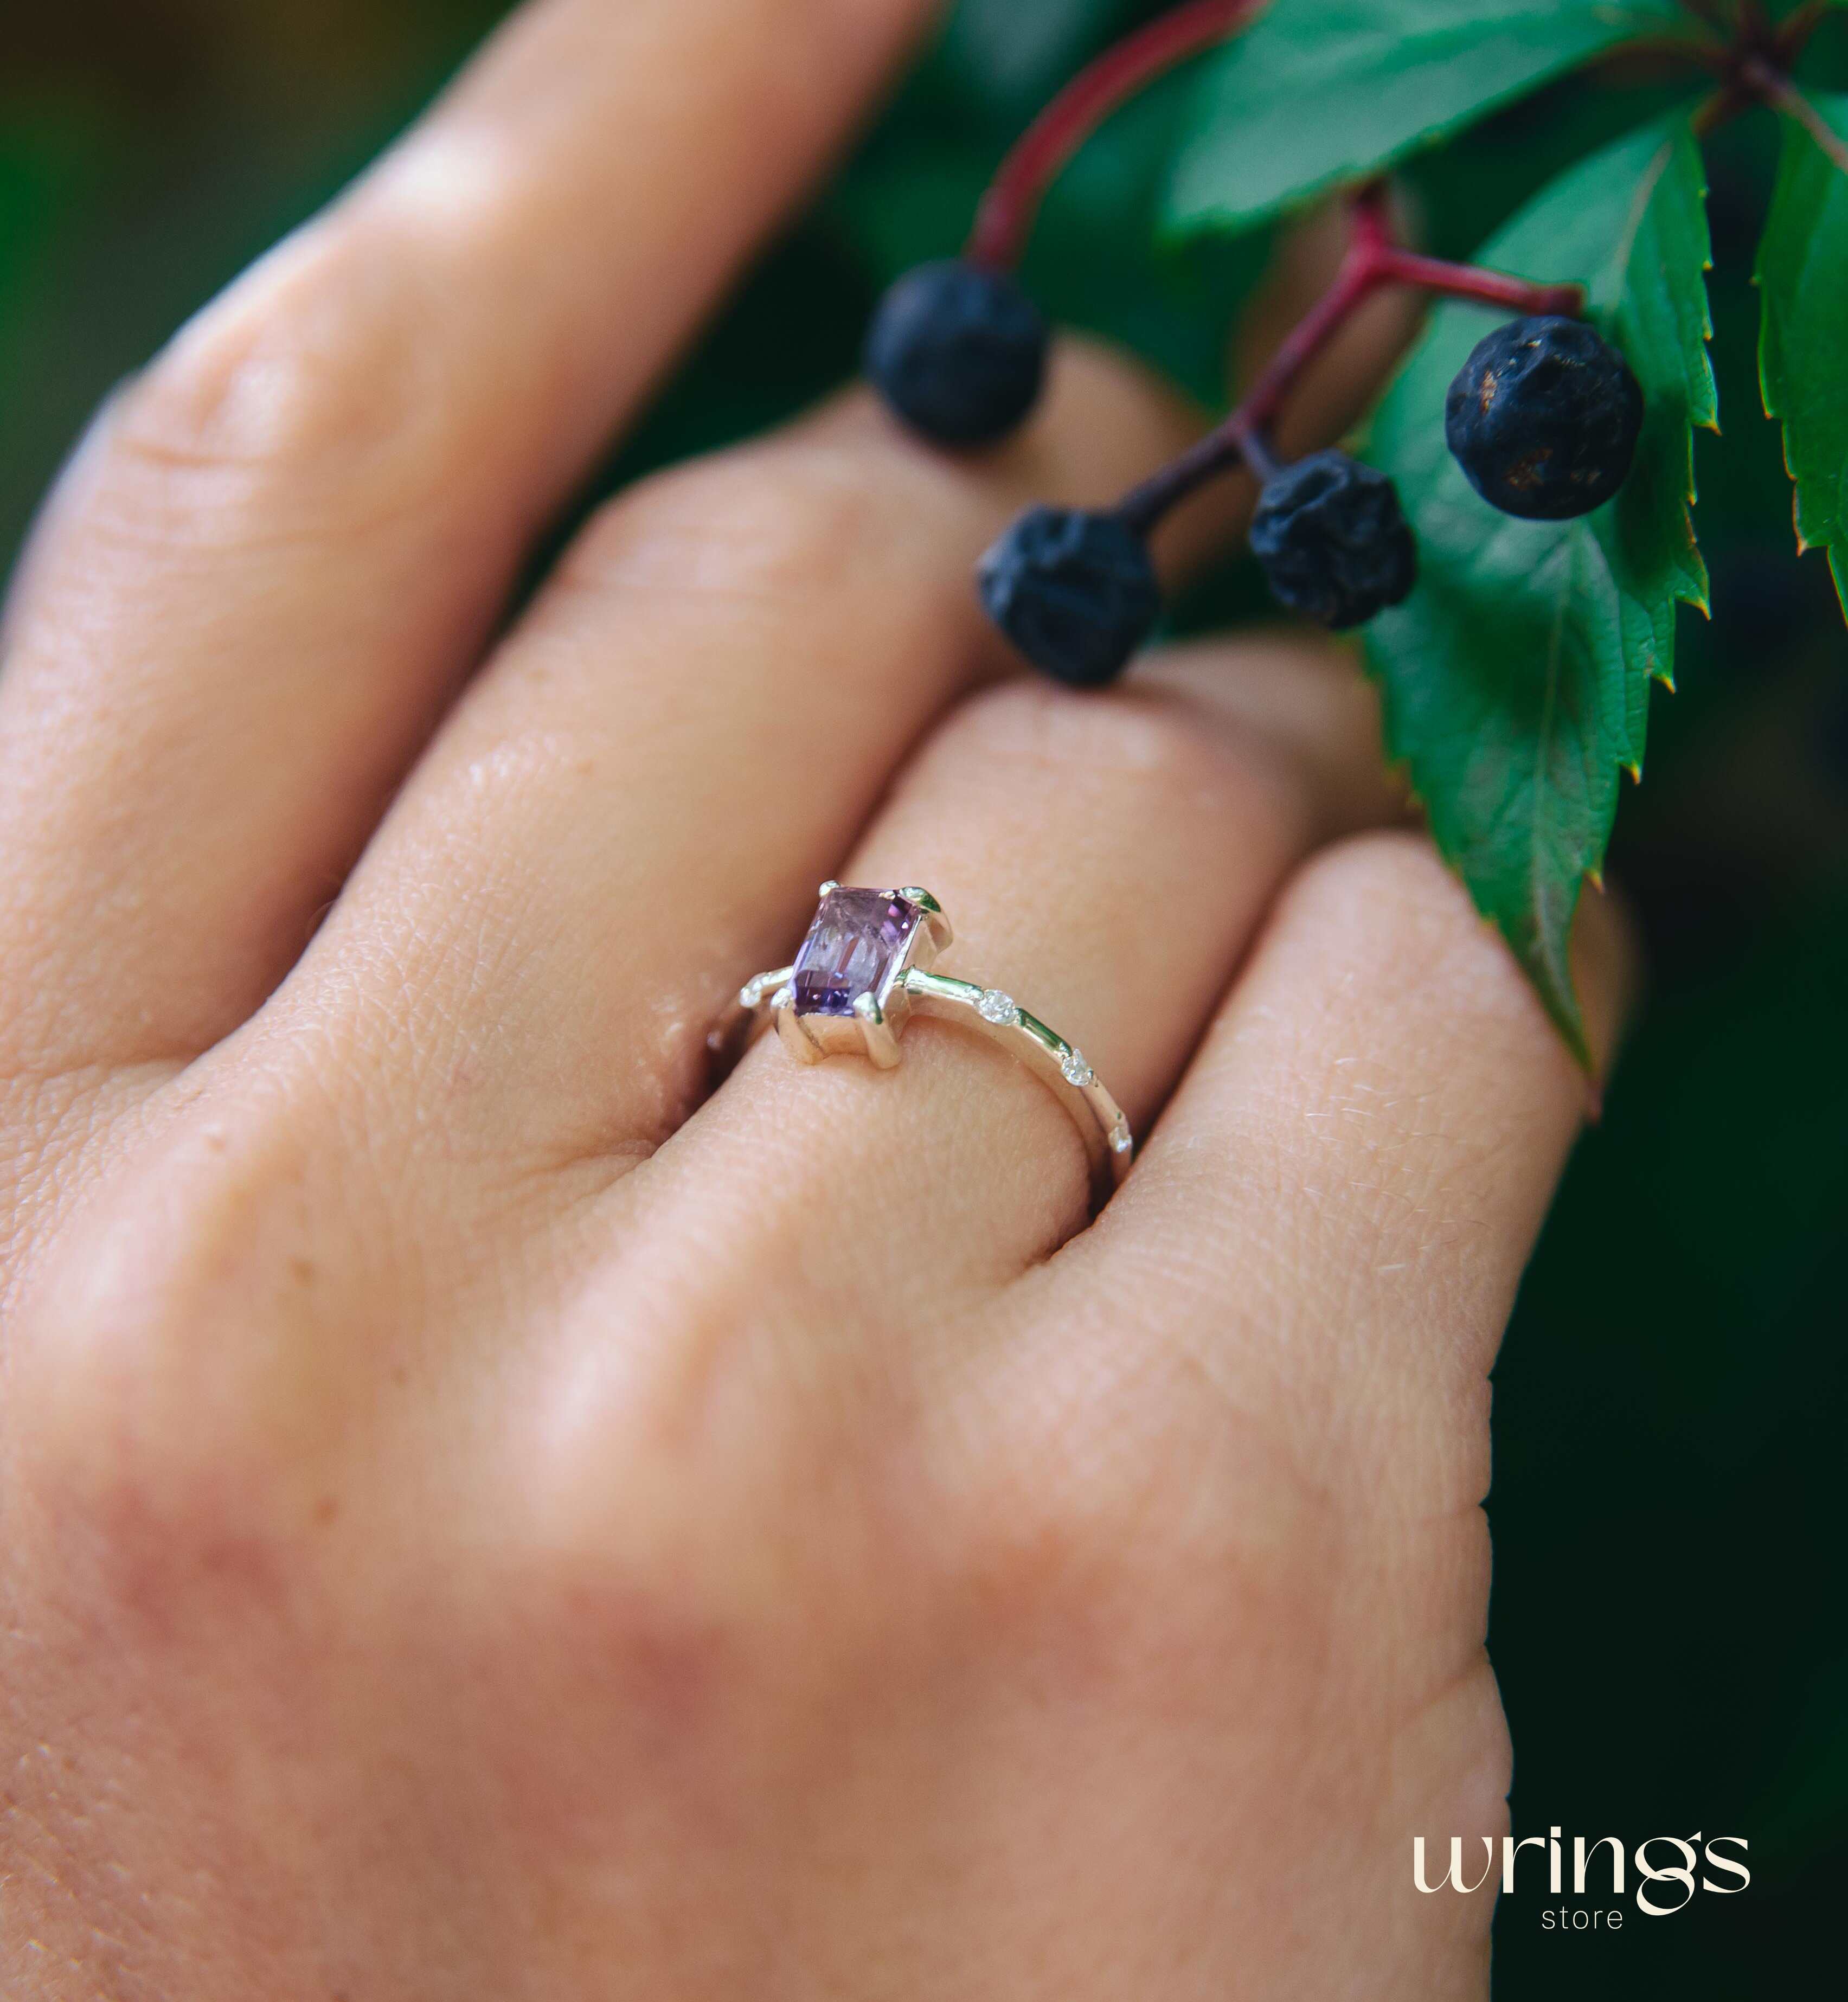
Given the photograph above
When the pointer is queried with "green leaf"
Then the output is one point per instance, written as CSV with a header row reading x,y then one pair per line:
x,y
1517,674
1803,341
1321,90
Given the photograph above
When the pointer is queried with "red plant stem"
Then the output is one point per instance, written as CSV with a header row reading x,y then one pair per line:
x,y
1755,76
1794,36
1372,259
1716,57
1488,288
1771,87
1006,216
1716,110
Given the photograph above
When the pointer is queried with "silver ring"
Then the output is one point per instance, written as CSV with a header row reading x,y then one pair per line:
x,y
864,972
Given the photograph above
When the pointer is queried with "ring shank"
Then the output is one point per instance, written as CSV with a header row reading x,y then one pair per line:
x,y
1100,1121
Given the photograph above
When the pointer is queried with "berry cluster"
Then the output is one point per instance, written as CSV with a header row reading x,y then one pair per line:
x,y
1543,418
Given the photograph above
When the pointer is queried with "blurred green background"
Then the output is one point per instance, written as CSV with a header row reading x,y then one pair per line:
x,y
1669,1619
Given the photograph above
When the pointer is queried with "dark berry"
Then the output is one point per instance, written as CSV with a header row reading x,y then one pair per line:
x,y
1333,542
1543,418
1076,592
958,351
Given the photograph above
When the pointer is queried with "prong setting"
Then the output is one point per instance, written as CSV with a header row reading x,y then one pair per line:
x,y
792,1032
881,1044
864,971
942,935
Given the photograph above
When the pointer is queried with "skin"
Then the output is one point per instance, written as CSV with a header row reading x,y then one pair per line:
x,y
485,1518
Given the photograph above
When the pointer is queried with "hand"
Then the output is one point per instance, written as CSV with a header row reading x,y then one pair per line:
x,y
485,1518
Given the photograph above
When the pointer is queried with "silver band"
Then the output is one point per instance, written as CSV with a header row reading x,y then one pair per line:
x,y
902,985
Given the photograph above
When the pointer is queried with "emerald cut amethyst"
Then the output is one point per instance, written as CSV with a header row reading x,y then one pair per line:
x,y
858,937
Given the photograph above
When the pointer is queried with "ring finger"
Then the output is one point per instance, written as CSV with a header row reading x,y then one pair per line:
x,y
688,728
693,720
1104,861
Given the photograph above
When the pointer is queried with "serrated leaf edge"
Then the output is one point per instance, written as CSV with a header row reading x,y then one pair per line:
x,y
1794,127
1549,968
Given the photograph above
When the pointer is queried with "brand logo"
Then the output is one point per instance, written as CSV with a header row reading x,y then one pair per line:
x,y
1667,1873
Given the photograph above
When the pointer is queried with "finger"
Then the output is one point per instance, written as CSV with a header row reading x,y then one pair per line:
x,y
630,811
1358,1162
269,563
1103,861
634,804
1290,1310
721,681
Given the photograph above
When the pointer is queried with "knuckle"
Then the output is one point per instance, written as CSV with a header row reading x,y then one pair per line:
x,y
647,1592
307,386
1146,1516
1033,1546
781,522
187,1402
1110,743
629,1517
1430,1083
701,1500
1397,874
1409,927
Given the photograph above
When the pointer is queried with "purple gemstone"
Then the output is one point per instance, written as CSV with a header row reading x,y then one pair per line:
x,y
854,942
